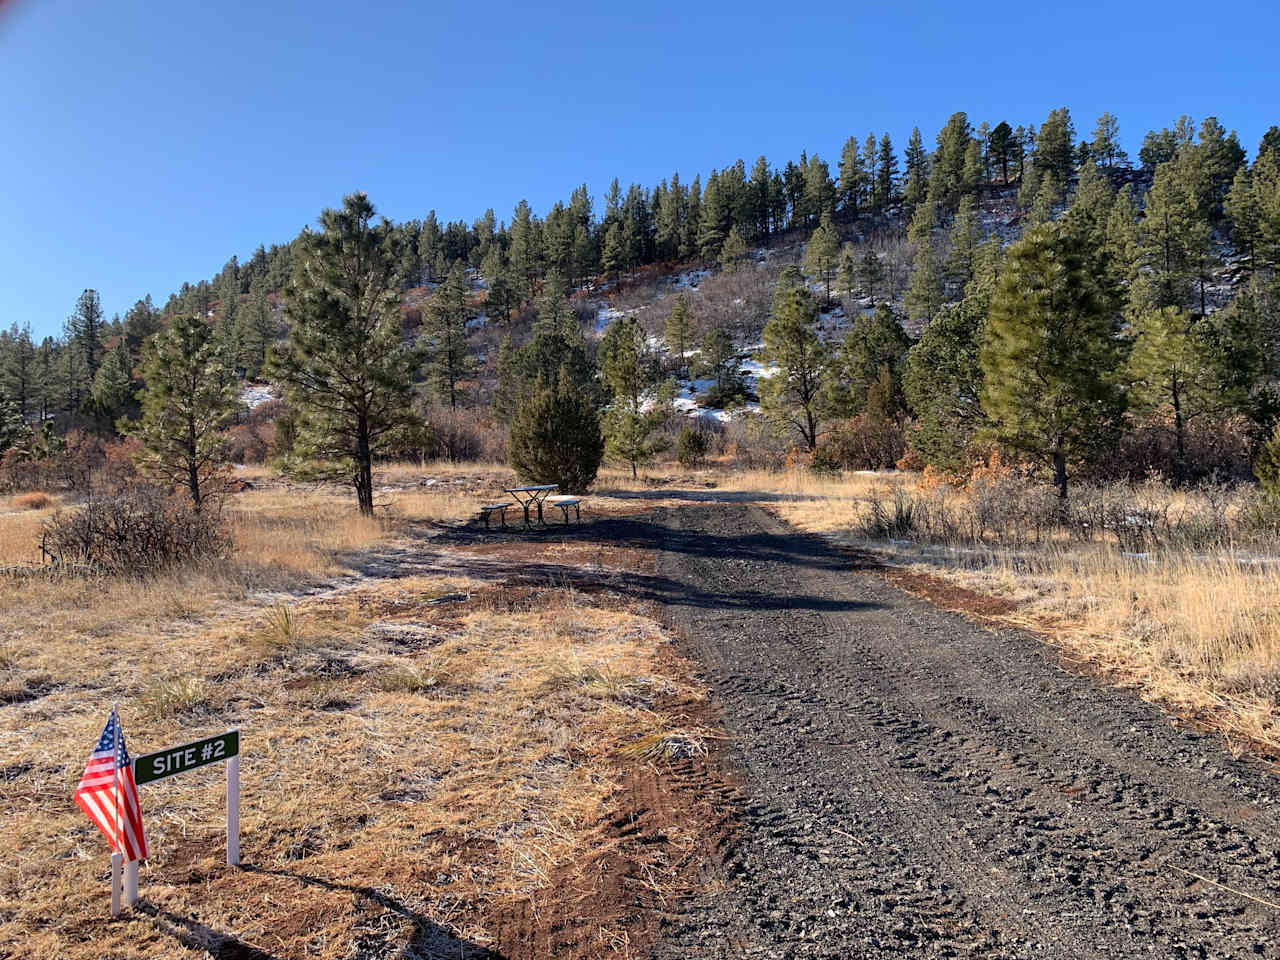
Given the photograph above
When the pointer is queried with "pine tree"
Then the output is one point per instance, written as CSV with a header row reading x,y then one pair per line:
x,y
943,380
819,191
1000,148
21,369
1055,145
793,394
871,272
853,177
141,321
718,359
946,178
632,416
964,246
84,333
1176,234
449,356
875,342
917,170
555,435
113,387
972,176
886,175
822,254
612,255
346,368
187,394
680,333
1106,148
924,294
1050,356
734,251
1179,364
847,278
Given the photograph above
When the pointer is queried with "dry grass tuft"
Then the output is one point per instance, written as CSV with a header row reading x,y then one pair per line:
x,y
36,500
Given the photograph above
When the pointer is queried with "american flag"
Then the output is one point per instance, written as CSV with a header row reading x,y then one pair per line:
x,y
109,796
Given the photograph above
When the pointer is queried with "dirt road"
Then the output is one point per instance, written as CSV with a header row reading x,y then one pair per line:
x,y
918,786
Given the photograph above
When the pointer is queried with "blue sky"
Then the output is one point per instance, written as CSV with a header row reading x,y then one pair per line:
x,y
148,142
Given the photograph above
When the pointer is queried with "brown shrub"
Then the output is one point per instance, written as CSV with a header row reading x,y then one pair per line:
x,y
139,529
861,443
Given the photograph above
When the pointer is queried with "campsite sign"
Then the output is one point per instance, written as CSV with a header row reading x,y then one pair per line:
x,y
166,763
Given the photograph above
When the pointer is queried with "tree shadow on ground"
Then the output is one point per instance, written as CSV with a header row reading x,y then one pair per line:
x,y
704,496
798,550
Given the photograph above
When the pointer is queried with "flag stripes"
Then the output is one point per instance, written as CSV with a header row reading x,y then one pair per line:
x,y
108,794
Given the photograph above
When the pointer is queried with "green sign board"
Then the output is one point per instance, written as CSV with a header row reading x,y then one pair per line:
x,y
165,763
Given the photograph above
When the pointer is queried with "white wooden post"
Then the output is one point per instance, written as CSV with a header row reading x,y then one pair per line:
x,y
116,859
233,811
131,868
131,883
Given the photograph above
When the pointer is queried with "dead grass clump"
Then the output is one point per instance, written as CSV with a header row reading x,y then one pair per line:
x,y
36,500
176,696
677,744
416,678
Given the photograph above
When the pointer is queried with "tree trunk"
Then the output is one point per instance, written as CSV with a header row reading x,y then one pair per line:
x,y
1060,476
364,469
193,484
1178,427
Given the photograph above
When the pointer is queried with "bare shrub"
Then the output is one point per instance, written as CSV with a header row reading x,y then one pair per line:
x,y
139,529
860,443
756,444
464,436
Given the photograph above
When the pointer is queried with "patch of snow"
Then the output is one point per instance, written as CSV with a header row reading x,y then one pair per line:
x,y
255,396
475,323
690,279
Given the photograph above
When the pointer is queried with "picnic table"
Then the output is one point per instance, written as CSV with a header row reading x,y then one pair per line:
x,y
532,497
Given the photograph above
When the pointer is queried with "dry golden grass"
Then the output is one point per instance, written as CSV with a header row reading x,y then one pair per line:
x,y
405,762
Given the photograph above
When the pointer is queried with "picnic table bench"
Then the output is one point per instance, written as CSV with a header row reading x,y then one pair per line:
x,y
532,498
565,504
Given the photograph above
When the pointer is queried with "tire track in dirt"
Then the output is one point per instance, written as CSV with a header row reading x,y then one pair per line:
x,y
917,785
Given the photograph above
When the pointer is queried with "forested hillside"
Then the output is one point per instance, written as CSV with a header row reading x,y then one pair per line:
x,y
1026,288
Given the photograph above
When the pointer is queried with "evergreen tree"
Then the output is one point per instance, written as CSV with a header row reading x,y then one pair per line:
x,y
917,174
886,175
141,322
853,177
1181,365
718,360
871,273
680,333
84,335
20,369
1050,355
964,246
734,250
1106,149
555,435
612,256
876,342
943,381
946,178
346,368
187,394
819,191
1176,234
632,416
793,394
1000,148
1055,145
972,176
847,278
924,294
449,356
822,254
113,387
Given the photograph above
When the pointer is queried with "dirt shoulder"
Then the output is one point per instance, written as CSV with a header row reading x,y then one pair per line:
x,y
917,785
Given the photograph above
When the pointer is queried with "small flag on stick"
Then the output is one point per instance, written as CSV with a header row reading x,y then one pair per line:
x,y
109,796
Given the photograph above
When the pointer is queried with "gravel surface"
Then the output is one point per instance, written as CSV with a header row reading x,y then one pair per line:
x,y
918,786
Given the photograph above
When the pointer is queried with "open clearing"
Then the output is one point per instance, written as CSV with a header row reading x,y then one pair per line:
x,y
681,728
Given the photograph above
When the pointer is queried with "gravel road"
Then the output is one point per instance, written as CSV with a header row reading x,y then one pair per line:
x,y
918,786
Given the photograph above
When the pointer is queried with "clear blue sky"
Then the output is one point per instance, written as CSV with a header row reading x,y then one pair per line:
x,y
145,143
